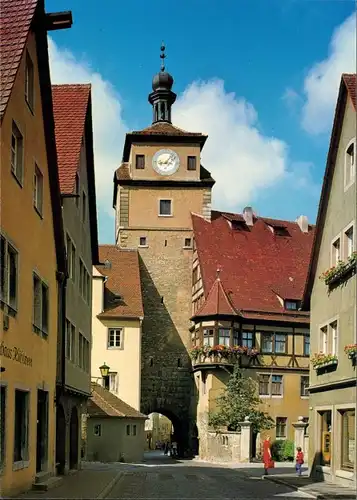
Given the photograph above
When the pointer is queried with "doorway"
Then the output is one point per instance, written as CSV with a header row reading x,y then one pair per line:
x,y
42,430
73,439
60,440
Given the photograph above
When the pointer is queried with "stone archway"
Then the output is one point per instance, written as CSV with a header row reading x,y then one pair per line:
x,y
60,439
180,428
73,439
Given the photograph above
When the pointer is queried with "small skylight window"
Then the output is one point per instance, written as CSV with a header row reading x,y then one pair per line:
x,y
107,264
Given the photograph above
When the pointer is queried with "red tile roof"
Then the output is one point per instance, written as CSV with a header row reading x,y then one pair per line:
x,y
164,128
256,264
103,403
122,292
351,84
15,20
217,302
70,104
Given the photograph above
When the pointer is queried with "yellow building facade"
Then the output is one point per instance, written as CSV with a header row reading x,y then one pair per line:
x,y
32,261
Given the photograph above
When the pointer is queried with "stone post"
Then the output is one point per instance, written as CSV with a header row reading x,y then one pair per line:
x,y
299,433
246,440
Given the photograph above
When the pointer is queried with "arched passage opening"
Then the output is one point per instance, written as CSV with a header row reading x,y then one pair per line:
x,y
60,439
73,439
179,431
159,432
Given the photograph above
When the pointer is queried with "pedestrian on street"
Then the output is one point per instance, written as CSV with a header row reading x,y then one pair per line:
x,y
299,460
267,460
174,449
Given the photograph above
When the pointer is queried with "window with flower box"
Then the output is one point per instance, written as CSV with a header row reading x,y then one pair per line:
x,y
235,337
348,242
336,251
224,335
247,339
208,336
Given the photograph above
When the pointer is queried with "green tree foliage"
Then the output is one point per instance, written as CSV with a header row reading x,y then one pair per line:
x,y
240,400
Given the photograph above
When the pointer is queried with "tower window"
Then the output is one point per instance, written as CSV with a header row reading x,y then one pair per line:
x,y
165,208
191,163
140,162
142,241
187,242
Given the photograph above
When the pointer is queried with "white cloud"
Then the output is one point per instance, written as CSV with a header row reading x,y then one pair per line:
x,y
108,126
322,82
241,159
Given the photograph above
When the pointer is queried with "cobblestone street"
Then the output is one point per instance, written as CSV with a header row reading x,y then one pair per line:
x,y
165,479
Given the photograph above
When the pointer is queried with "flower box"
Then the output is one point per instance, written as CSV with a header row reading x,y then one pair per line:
x,y
351,351
338,273
321,360
220,353
326,364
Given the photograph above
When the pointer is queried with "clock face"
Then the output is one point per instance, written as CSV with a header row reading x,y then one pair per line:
x,y
165,162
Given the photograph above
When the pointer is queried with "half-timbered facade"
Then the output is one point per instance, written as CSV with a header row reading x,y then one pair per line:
x,y
247,284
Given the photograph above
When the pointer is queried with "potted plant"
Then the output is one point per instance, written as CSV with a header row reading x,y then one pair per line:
x,y
351,351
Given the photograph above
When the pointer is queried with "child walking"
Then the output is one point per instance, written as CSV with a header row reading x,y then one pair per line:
x,y
299,460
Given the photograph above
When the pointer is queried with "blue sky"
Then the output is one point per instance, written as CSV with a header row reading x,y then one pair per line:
x,y
259,76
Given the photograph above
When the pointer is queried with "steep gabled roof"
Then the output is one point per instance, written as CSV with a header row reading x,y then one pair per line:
x,y
103,403
347,89
122,289
72,105
15,20
217,302
256,264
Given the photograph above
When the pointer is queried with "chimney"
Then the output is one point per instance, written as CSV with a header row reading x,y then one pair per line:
x,y
248,216
303,223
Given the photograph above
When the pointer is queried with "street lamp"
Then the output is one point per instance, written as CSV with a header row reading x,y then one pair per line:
x,y
104,370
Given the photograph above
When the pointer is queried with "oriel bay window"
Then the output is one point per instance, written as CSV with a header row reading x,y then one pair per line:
x,y
247,339
274,343
208,336
224,335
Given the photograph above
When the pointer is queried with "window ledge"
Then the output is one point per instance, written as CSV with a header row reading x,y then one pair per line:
x,y
187,248
304,397
114,348
143,246
22,464
275,396
11,311
164,215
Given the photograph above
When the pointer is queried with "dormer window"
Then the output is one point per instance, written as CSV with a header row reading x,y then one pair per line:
x,y
292,305
278,230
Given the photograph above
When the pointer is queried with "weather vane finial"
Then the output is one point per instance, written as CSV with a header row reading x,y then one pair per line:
x,y
162,56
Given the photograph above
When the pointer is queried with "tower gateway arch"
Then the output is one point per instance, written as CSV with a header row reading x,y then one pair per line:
x,y
158,184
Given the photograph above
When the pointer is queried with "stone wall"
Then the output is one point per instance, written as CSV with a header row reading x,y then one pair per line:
x,y
166,279
223,446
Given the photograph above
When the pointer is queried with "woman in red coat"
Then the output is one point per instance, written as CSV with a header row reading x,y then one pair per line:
x,y
267,460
